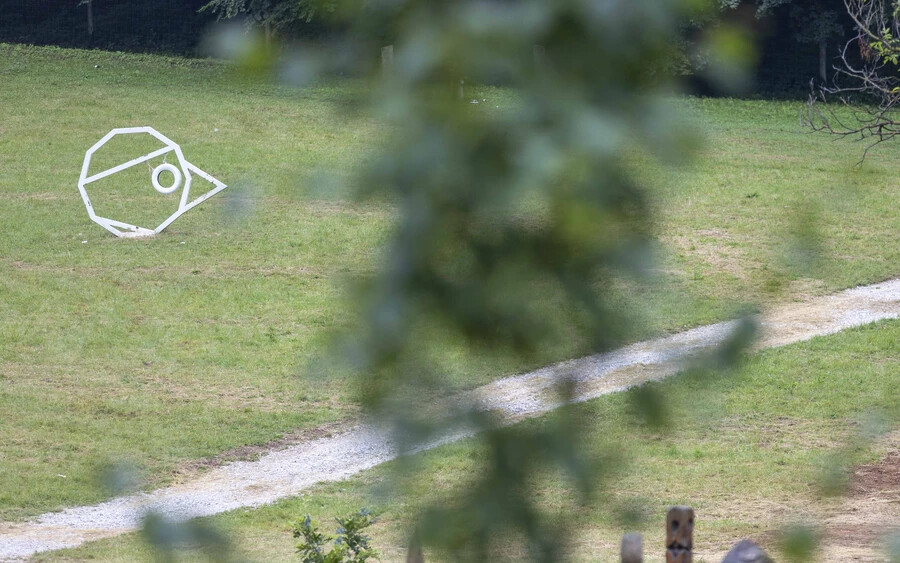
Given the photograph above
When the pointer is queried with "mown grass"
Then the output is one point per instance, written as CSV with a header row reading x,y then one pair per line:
x,y
161,353
177,348
749,457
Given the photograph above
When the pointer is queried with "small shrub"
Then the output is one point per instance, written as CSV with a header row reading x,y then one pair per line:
x,y
350,545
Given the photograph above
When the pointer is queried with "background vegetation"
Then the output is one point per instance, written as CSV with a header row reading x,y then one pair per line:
x,y
789,35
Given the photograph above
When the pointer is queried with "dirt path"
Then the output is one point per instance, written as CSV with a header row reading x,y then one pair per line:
x,y
859,529
855,526
288,471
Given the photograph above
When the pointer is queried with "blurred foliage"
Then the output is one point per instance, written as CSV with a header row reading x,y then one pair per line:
x,y
802,249
120,478
799,542
350,545
893,548
514,226
170,538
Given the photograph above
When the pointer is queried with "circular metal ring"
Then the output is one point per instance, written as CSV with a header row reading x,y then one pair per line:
x,y
164,168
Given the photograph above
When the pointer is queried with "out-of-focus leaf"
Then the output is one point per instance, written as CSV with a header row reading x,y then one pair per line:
x,y
168,538
650,406
120,478
893,548
514,225
732,56
799,542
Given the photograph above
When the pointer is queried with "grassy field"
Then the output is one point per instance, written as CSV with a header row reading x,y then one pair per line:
x,y
749,459
181,347
165,351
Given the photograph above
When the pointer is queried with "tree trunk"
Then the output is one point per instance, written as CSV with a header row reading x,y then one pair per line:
x,y
90,11
823,70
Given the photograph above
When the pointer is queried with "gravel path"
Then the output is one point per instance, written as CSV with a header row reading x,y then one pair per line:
x,y
288,471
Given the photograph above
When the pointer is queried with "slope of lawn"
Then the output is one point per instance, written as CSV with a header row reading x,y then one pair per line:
x,y
165,351
750,458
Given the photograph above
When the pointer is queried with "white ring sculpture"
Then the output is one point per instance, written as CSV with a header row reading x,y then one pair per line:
x,y
165,167
184,171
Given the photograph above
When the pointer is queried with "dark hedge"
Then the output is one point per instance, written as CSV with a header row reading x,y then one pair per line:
x,y
175,27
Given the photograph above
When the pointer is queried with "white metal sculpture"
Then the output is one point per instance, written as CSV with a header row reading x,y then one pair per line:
x,y
182,173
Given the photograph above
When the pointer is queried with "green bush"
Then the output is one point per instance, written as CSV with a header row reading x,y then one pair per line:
x,y
350,545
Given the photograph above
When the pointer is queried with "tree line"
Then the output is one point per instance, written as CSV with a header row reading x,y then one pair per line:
x,y
796,40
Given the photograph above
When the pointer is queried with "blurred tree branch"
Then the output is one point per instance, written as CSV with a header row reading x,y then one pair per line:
x,y
519,214
515,224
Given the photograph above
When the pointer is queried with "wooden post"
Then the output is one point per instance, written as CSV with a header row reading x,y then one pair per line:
x,y
632,549
387,59
679,534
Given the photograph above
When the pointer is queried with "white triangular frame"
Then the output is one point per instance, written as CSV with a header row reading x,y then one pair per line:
x,y
121,229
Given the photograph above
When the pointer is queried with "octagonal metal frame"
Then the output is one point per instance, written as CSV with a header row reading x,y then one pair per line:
x,y
121,229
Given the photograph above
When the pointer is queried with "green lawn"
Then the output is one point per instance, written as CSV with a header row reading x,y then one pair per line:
x,y
162,353
173,349
748,458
